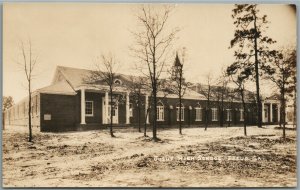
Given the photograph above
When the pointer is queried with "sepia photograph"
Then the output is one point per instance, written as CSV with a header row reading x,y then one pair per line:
x,y
159,95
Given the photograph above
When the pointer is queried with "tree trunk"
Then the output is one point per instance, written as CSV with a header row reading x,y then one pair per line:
x,y
207,110
259,111
111,114
245,111
222,111
283,109
139,110
145,126
180,129
180,99
189,112
206,118
154,115
219,108
29,112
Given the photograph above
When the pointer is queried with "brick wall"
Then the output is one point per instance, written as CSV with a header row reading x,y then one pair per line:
x,y
61,109
65,112
170,117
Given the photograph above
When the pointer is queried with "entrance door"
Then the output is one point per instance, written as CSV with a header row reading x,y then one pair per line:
x,y
115,114
266,114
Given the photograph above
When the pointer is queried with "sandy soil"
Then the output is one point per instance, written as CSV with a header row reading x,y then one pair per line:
x,y
218,157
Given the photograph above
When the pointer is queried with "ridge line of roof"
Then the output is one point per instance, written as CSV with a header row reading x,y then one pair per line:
x,y
90,70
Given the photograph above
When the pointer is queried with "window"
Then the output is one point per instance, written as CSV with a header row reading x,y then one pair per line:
x,y
182,113
198,111
214,114
118,82
130,110
229,118
89,110
242,115
160,112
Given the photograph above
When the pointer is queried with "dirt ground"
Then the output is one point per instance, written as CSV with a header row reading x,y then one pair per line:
x,y
218,157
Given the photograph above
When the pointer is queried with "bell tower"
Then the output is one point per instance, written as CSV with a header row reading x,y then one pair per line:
x,y
177,69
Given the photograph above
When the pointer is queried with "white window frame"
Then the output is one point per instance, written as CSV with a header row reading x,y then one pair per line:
x,y
182,112
228,115
242,115
198,114
214,114
160,112
92,114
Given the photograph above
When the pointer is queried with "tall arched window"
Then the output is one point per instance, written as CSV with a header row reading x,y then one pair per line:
x,y
182,112
160,111
198,111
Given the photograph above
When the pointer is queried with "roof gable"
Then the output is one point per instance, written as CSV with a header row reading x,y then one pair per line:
x,y
77,77
60,87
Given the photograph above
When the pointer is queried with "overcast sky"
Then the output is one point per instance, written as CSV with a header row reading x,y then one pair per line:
x,y
74,34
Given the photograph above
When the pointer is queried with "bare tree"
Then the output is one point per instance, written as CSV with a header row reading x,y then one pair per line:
x,y
206,90
146,117
152,44
178,84
105,72
239,76
219,92
28,64
137,87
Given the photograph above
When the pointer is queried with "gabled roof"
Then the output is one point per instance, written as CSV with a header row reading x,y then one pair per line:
x,y
73,78
61,87
272,97
76,77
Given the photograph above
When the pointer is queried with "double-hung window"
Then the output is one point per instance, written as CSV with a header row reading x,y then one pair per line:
x,y
214,114
160,112
181,114
229,116
198,111
89,108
